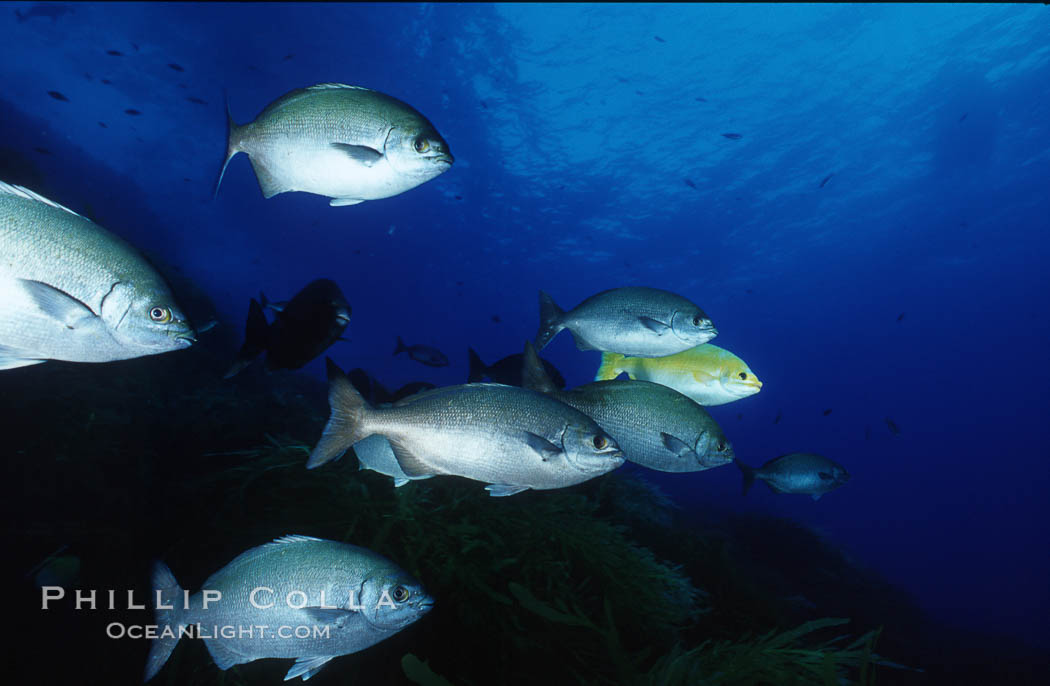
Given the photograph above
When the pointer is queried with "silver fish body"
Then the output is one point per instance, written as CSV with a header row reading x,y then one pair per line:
x,y
804,473
70,290
348,143
655,426
348,599
509,437
638,321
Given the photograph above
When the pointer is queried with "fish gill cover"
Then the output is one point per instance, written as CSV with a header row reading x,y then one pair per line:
x,y
856,195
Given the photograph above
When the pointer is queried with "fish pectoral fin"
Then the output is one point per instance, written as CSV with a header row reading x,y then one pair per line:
x,y
12,358
398,482
541,445
57,304
654,325
678,446
328,616
345,202
411,465
503,490
221,653
306,667
359,153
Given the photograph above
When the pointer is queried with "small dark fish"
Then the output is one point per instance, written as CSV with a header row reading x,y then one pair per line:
x,y
826,179
106,81
459,197
103,125
58,96
733,136
87,76
691,184
827,412
699,99
484,105
639,93
867,432
659,40
115,53
621,79
134,113
288,57
303,328
508,370
893,427
963,118
739,417
367,385
459,283
196,101
43,151
813,475
135,45
496,319
776,420
748,291
900,316
44,9
176,67
424,354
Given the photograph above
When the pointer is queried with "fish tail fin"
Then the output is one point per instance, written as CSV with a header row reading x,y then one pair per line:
x,y
232,147
550,321
255,331
400,346
749,475
166,589
344,427
533,374
477,367
611,367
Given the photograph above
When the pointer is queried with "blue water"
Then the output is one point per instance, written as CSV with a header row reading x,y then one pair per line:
x,y
574,130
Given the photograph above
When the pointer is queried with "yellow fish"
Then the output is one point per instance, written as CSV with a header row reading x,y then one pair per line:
x,y
707,374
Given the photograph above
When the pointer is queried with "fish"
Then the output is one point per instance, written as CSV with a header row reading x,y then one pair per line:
x,y
377,394
196,101
508,370
496,319
645,322
424,354
825,180
42,151
900,317
732,136
827,412
51,10
894,429
105,81
103,125
115,53
356,597
70,290
776,420
691,184
655,426
348,143
132,112
58,96
288,57
374,453
706,373
176,67
963,118
804,473
867,432
659,40
511,438
699,99
302,329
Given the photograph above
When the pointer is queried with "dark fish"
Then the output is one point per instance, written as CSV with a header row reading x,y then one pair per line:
x,y
132,112
176,67
900,316
963,118
621,79
424,354
508,370
103,125
196,101
459,283
699,99
106,81
826,179
733,136
303,328
135,45
43,151
369,387
410,389
484,105
58,96
87,76
806,473
739,417
50,10
827,412
776,420
893,427
496,319
659,40
288,57
459,197
115,53
867,433
691,184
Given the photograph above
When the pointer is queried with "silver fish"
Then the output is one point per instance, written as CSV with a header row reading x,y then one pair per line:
x,y
511,438
638,321
655,426
348,143
805,473
347,598
70,290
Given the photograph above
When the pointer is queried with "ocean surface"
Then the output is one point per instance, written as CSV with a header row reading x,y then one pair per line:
x,y
871,238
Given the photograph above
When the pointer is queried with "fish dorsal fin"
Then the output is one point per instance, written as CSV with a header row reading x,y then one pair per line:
x,y
335,86
292,538
21,192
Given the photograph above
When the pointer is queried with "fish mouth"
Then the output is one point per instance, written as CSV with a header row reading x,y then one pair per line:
x,y
185,340
343,319
425,606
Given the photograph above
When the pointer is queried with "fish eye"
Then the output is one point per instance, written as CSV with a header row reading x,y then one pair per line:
x,y
421,145
743,376
161,315
721,447
600,442
697,319
400,594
